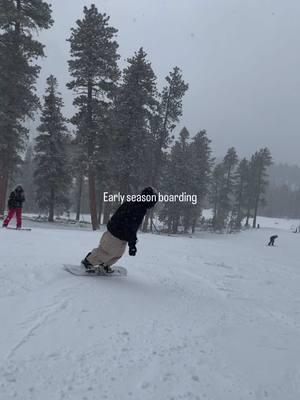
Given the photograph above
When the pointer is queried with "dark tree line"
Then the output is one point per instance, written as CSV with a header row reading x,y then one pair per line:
x,y
283,193
19,51
123,123
238,189
233,189
122,135
282,201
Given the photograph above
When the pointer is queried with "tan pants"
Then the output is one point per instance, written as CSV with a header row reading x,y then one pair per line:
x,y
109,251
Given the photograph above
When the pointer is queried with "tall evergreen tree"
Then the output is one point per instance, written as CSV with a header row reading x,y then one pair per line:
x,y
240,192
187,169
168,113
261,161
230,161
250,189
201,163
163,120
218,196
222,189
176,178
135,100
94,69
19,19
52,174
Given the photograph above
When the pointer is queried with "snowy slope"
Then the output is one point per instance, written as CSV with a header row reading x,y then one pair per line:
x,y
210,317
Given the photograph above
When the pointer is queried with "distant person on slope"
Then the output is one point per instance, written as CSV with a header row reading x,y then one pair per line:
x,y
15,204
272,240
121,229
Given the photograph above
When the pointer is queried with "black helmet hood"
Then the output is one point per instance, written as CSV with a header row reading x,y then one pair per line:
x,y
149,191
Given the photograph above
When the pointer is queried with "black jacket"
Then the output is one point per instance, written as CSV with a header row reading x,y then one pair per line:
x,y
16,199
126,221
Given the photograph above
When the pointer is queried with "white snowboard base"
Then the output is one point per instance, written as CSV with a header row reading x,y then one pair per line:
x,y
78,270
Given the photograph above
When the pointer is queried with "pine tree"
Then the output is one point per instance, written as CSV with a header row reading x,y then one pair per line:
x,y
176,179
250,189
201,164
222,189
52,174
187,169
163,121
261,161
94,69
135,100
240,192
230,161
19,19
168,113
218,196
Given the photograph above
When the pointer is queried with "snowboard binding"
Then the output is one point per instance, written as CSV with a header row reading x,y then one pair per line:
x,y
94,269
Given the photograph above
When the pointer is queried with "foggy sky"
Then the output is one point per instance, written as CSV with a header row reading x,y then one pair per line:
x,y
241,59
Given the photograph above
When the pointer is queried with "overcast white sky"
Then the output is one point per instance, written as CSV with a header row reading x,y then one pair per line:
x,y
241,59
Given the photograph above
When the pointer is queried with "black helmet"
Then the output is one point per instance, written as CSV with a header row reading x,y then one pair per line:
x,y
148,191
19,188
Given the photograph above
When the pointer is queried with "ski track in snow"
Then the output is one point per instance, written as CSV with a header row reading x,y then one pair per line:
x,y
204,318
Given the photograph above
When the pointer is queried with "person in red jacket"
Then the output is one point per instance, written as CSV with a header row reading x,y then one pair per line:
x,y
15,204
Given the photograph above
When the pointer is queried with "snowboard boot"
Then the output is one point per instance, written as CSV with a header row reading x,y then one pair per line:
x,y
87,265
108,269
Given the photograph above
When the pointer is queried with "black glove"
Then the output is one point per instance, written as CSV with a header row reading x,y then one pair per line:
x,y
132,250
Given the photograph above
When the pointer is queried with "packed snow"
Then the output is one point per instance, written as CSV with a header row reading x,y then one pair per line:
x,y
205,317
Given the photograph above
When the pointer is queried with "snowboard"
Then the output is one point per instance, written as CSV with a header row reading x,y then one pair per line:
x,y
78,270
18,229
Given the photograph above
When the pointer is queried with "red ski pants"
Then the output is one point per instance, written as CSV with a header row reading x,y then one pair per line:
x,y
11,213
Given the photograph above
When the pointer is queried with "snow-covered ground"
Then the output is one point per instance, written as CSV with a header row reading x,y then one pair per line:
x,y
278,223
210,317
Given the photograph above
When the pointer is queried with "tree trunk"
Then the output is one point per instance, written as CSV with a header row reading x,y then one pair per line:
x,y
151,220
100,205
106,213
3,189
91,172
247,218
170,224
93,198
51,207
257,201
146,222
254,220
194,224
255,215
175,224
79,195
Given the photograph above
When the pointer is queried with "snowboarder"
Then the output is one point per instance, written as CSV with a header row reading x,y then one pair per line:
x,y
272,240
121,229
15,204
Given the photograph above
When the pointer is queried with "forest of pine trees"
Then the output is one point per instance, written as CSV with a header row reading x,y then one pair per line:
x,y
121,137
